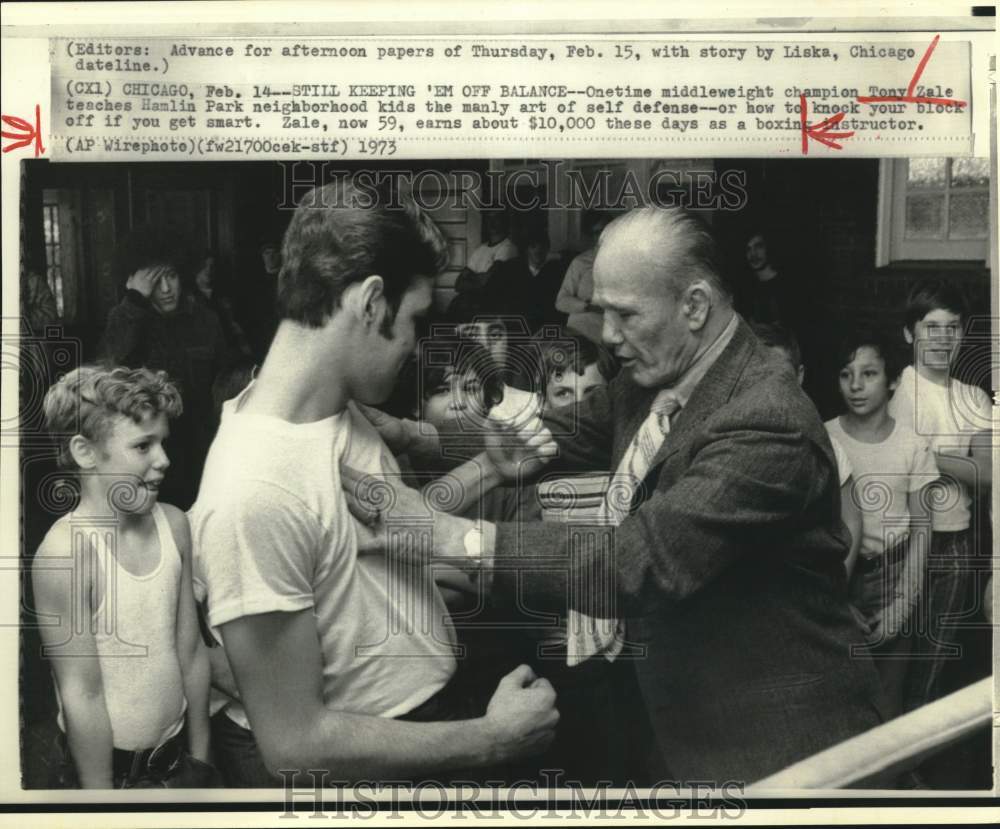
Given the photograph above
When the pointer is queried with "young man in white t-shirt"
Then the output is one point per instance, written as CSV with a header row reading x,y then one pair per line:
x,y
340,660
955,419
892,468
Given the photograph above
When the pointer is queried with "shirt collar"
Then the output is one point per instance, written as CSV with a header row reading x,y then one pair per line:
x,y
685,386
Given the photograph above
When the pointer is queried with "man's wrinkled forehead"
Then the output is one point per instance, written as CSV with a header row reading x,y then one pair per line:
x,y
629,265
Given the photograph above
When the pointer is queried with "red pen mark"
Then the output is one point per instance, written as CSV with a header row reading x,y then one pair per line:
x,y
909,97
822,131
27,134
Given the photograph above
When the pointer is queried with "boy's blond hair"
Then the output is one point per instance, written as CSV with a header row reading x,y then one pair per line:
x,y
86,400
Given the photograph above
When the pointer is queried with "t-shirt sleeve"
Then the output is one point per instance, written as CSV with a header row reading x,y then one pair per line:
x,y
258,552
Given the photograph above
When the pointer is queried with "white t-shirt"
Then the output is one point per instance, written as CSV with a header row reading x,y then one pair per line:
x,y
946,417
272,532
884,475
483,257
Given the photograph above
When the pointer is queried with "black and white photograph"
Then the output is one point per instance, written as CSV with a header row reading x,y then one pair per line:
x,y
370,478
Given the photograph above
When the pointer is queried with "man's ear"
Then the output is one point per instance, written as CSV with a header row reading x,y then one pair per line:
x,y
365,299
83,452
697,300
908,335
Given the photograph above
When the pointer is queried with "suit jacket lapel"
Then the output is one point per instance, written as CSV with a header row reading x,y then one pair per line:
x,y
631,403
714,390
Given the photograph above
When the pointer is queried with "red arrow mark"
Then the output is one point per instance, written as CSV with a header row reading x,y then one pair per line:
x,y
27,132
909,97
822,131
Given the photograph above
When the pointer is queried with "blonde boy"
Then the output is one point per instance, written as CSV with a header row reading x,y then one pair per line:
x,y
114,575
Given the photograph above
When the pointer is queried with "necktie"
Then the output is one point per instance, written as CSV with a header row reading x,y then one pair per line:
x,y
589,636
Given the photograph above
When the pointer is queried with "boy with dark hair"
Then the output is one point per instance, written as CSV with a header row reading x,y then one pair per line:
x,y
572,367
130,577
956,420
892,467
459,384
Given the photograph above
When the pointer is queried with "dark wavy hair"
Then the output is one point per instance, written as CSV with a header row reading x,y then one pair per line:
x,y
341,234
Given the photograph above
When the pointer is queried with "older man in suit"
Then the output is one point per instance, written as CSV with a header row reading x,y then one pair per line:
x,y
724,553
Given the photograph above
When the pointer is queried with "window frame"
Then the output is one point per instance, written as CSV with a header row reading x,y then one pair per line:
x,y
891,245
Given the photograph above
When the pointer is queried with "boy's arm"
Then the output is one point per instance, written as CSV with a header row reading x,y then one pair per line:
x,y
851,516
191,651
278,666
910,586
70,645
975,470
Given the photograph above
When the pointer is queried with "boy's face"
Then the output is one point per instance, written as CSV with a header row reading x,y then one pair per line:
x,y
456,404
864,384
564,388
491,334
271,257
133,457
538,252
166,295
756,252
936,339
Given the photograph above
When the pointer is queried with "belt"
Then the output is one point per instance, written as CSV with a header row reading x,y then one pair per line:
x,y
148,763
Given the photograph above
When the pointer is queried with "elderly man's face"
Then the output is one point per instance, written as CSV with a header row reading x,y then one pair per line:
x,y
644,323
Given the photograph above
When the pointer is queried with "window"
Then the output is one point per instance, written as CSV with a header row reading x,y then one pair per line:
x,y
63,248
53,255
933,208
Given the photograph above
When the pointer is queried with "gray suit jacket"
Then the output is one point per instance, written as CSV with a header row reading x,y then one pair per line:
x,y
729,572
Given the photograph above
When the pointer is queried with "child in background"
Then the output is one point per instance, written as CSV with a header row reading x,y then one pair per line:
x,y
130,671
956,420
784,343
571,368
892,467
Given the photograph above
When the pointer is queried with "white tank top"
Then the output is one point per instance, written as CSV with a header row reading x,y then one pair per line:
x,y
135,631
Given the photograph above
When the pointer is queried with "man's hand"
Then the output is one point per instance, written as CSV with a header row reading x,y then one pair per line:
x,y
378,501
522,715
890,620
519,450
400,435
144,280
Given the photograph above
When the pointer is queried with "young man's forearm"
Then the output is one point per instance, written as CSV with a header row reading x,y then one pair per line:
x,y
355,747
197,674
971,470
469,482
89,736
